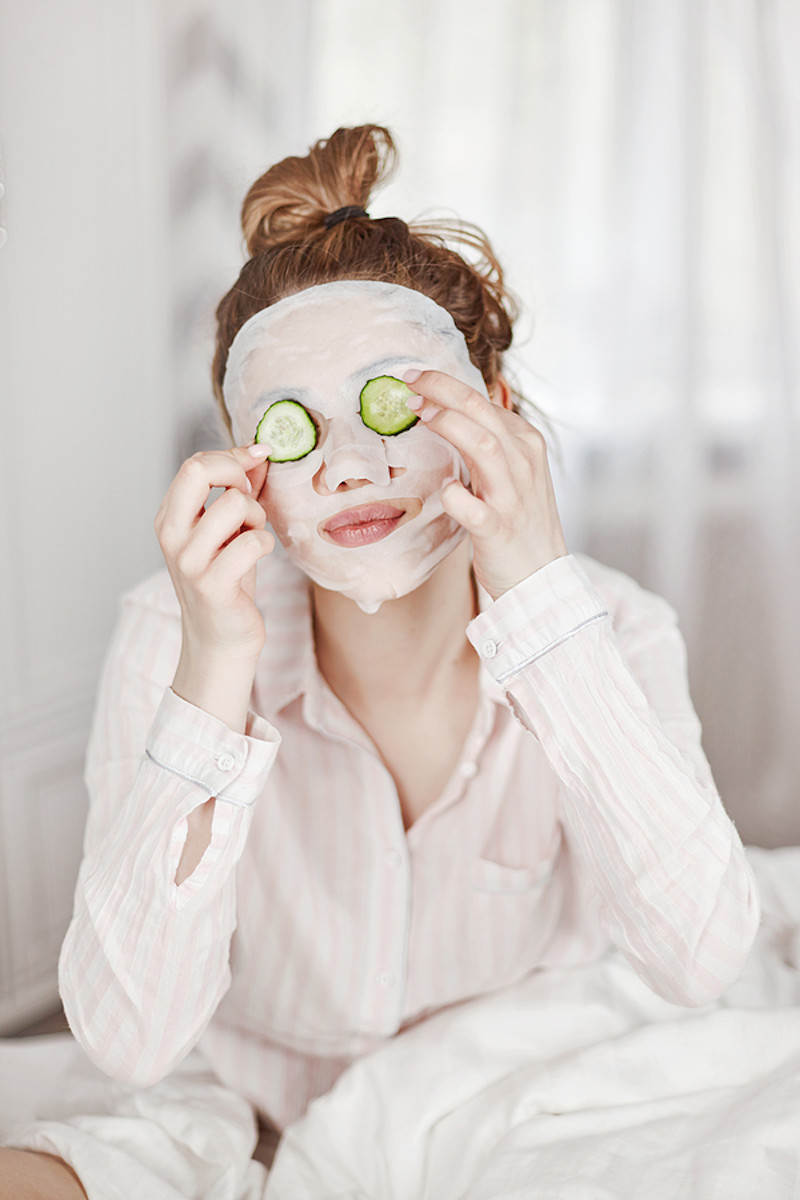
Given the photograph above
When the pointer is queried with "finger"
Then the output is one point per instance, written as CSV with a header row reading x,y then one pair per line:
x,y
493,460
237,558
444,391
474,514
258,477
253,452
187,494
221,521
442,394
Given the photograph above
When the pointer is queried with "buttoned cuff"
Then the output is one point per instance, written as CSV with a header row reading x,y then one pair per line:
x,y
189,742
534,617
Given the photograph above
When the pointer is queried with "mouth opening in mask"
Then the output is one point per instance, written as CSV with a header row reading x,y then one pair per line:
x,y
364,524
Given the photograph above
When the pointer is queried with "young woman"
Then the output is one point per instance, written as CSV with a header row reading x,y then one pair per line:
x,y
409,754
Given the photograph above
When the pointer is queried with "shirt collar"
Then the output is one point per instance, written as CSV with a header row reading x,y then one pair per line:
x,y
287,667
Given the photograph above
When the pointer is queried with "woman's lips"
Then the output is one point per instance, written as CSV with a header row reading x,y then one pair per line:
x,y
367,523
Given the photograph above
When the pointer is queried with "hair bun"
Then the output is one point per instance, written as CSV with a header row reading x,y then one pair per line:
x,y
290,201
293,247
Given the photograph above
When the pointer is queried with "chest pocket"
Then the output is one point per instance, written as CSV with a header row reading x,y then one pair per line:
x,y
489,876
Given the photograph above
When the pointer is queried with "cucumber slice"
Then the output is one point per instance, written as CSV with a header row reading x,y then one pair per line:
x,y
288,429
384,408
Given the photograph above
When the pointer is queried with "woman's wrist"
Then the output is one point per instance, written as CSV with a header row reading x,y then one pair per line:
x,y
219,684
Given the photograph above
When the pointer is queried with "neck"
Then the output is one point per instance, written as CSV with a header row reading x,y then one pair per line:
x,y
404,648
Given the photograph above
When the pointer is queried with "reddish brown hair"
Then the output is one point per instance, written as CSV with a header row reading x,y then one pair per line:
x,y
283,218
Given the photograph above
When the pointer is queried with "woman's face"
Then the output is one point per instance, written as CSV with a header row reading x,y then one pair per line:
x,y
361,514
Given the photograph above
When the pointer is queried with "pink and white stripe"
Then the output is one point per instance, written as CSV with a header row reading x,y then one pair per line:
x,y
582,812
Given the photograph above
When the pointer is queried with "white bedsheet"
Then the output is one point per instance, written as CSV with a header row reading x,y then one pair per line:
x,y
578,1084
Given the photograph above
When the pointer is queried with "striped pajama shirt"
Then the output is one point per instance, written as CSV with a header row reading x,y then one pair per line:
x,y
582,813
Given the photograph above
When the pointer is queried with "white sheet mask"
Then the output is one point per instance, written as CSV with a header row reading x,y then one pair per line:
x,y
320,347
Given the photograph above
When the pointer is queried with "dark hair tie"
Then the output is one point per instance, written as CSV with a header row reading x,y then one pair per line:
x,y
344,214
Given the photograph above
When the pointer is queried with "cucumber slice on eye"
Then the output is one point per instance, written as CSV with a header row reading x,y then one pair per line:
x,y
384,408
288,430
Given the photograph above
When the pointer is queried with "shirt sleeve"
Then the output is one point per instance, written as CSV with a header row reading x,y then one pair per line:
x,y
608,699
145,962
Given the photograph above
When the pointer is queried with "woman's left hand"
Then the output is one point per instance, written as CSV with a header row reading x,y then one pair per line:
x,y
509,509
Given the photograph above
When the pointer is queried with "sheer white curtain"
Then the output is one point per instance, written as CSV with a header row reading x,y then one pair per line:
x,y
637,163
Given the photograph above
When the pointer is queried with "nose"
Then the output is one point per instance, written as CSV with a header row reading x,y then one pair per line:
x,y
353,455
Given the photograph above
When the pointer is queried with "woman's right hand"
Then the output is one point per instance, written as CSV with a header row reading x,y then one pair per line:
x,y
211,554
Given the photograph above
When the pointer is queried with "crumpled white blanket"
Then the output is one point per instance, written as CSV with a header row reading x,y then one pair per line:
x,y
578,1084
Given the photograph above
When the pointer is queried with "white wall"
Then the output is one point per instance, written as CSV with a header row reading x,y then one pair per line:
x,y
86,423
129,133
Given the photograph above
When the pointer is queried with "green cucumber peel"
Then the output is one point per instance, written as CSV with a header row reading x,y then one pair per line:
x,y
384,407
288,430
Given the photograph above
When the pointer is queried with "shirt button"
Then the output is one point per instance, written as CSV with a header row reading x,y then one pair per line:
x,y
489,648
392,858
225,762
386,979
469,770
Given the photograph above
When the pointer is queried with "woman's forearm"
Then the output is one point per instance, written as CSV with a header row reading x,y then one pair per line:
x,y
217,684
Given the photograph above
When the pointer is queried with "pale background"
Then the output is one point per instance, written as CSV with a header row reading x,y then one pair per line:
x,y
637,164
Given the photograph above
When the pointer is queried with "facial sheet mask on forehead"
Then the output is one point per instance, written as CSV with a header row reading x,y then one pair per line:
x,y
361,513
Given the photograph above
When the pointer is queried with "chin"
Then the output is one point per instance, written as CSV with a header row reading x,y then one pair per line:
x,y
374,585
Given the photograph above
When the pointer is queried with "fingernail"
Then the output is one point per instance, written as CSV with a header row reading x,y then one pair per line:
x,y
411,376
429,412
261,450
248,484
414,402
